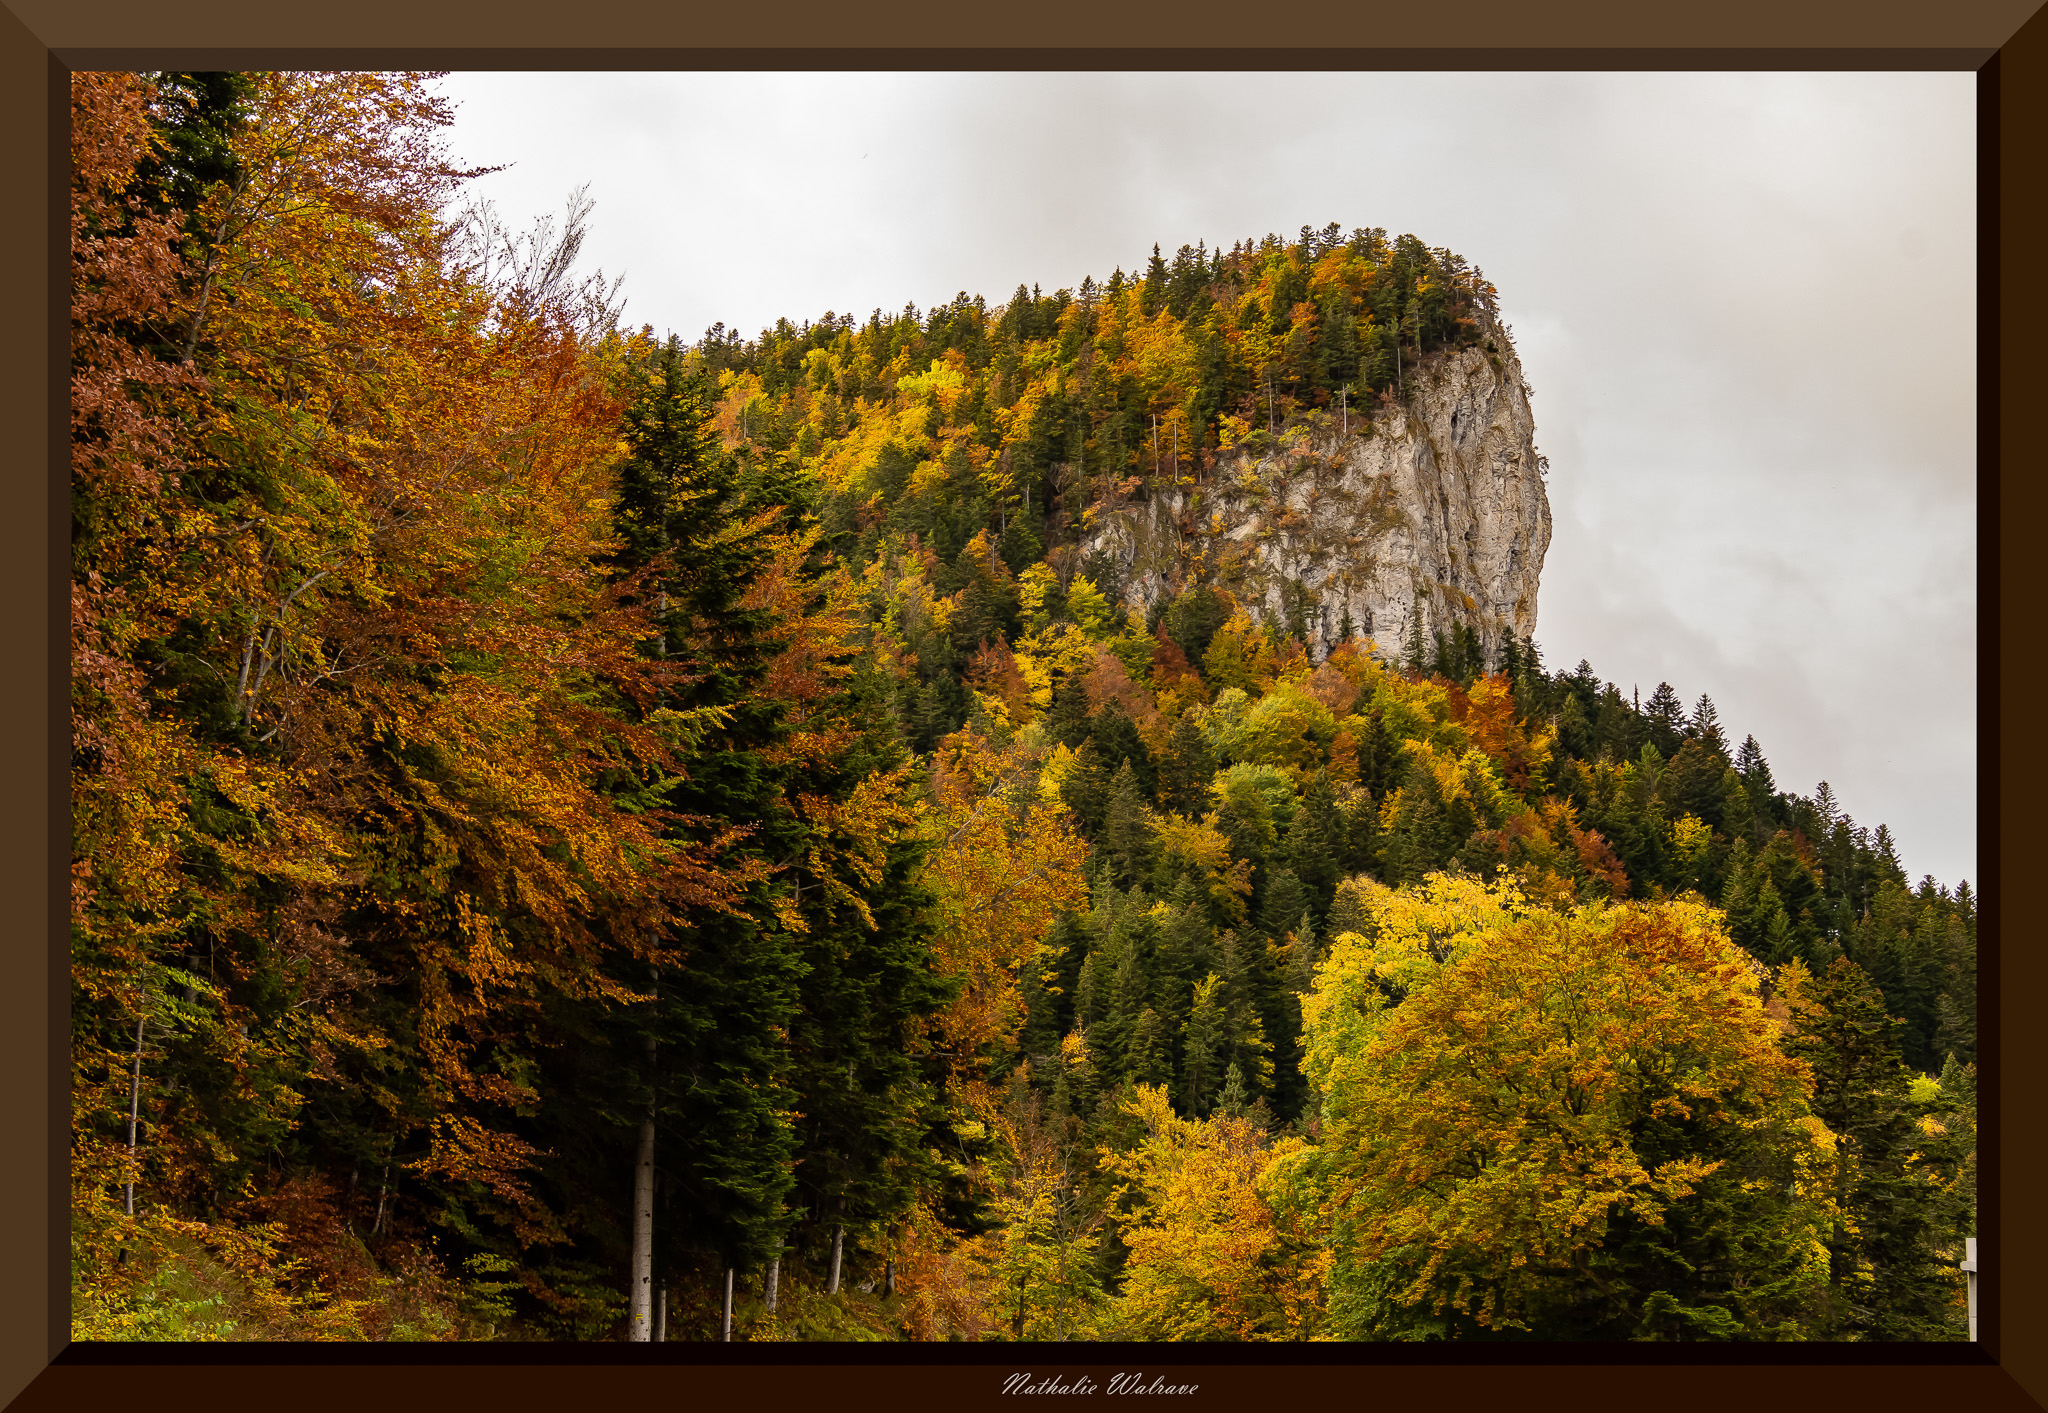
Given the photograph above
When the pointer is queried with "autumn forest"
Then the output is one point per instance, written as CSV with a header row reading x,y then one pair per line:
x,y
583,835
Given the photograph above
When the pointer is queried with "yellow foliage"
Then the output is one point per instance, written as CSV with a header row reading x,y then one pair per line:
x,y
1208,1255
1485,1065
1004,863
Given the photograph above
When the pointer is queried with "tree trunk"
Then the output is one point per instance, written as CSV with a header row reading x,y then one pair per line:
x,y
640,1318
135,1114
769,1285
383,1187
889,1277
661,1315
838,1246
725,1335
640,1311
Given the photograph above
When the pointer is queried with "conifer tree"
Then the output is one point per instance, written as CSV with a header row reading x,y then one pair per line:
x,y
1666,720
1150,1059
1904,1214
1315,842
1185,770
1126,839
721,1033
1207,1048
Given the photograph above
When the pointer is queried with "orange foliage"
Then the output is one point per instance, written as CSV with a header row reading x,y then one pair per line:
x,y
1108,681
1599,860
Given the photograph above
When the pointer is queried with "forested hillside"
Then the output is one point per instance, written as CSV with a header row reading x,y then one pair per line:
x,y
568,824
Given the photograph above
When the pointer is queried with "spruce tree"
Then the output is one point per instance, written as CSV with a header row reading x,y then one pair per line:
x,y
721,1091
1315,841
1126,839
1666,720
1206,1050
1892,1258
1185,770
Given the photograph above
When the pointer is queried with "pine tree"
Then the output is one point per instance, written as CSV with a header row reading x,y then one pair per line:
x,y
1705,727
1891,1264
1315,840
1233,1099
1666,720
1206,1050
1126,838
1150,1059
1186,769
1152,295
1414,658
1285,902
721,1039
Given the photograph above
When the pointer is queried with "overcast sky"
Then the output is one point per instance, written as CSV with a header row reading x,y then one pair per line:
x,y
1745,301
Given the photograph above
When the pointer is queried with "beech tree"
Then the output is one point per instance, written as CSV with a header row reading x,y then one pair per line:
x,y
1577,1125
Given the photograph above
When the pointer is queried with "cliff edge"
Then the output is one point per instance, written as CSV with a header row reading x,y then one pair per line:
x,y
1428,508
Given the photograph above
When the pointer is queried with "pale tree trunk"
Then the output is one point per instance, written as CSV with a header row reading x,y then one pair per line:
x,y
725,1334
838,1247
640,1314
640,1318
769,1285
134,1111
661,1315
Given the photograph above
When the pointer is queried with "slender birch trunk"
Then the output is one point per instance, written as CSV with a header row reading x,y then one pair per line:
x,y
771,1283
135,1111
641,1310
725,1334
838,1247
640,1314
661,1315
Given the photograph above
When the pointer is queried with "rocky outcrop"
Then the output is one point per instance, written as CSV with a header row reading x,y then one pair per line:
x,y
1432,506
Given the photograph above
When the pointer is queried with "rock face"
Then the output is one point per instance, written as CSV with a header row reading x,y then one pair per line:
x,y
1433,506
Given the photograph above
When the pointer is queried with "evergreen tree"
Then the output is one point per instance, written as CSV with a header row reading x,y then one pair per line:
x,y
1905,959
1118,745
1206,1050
1126,838
1666,720
1286,901
1692,783
1315,840
1705,727
1904,1214
1185,770
1416,652
1233,1099
720,1041
1150,1059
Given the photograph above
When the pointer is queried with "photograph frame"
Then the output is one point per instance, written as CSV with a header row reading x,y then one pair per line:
x,y
2009,88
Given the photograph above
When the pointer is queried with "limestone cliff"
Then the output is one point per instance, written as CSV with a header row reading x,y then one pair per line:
x,y
1433,504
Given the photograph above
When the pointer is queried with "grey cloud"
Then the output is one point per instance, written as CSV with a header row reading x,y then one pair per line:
x,y
1746,302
